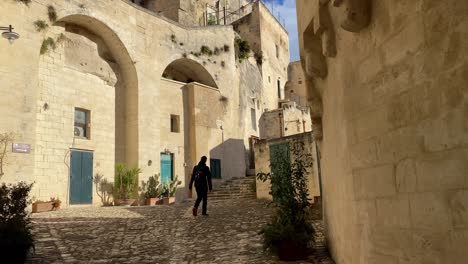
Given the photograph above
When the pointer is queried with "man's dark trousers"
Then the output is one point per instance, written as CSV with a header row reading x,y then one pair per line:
x,y
202,194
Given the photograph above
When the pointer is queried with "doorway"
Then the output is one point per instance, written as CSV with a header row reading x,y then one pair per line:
x,y
81,177
167,168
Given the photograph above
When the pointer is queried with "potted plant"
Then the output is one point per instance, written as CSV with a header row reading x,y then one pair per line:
x,y
126,185
169,190
55,203
152,191
42,206
289,233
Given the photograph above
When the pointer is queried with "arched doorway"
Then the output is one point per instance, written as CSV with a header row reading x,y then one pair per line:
x,y
88,87
191,111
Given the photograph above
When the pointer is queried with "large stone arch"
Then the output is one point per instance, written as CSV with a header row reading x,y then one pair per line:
x,y
187,71
128,74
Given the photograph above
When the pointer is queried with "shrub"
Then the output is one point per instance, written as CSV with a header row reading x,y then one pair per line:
x,y
16,238
289,233
5,141
205,50
104,189
46,44
226,48
126,182
40,25
242,48
152,188
51,13
170,188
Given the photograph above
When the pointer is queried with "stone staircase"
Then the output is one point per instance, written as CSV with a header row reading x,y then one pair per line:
x,y
238,188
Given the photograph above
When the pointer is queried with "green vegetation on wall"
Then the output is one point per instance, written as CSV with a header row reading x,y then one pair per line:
x,y
242,49
47,44
40,25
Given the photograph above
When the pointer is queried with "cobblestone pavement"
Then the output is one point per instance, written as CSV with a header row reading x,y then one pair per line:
x,y
160,234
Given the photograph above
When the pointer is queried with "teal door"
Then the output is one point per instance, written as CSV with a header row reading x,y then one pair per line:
x,y
166,168
81,177
215,166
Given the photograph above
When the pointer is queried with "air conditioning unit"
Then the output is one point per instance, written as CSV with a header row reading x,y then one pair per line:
x,y
79,132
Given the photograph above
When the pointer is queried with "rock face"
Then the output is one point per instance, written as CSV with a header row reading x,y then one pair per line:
x,y
392,108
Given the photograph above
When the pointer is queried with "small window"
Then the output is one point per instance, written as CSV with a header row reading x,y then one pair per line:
x,y
279,89
299,82
253,117
175,123
81,128
277,51
269,79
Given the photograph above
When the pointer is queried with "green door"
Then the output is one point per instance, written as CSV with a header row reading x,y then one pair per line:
x,y
215,166
81,177
166,168
280,164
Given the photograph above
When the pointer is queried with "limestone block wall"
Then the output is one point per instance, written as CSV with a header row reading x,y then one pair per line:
x,y
272,124
394,149
286,121
116,75
295,89
208,133
262,163
275,53
174,142
264,34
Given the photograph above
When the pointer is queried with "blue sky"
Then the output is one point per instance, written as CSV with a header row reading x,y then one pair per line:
x,y
287,10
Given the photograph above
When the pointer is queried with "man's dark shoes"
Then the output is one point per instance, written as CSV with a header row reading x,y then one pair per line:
x,y
194,211
205,214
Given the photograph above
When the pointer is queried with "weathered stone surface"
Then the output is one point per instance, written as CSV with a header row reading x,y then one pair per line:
x,y
160,234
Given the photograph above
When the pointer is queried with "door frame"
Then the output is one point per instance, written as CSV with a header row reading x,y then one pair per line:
x,y
172,165
70,173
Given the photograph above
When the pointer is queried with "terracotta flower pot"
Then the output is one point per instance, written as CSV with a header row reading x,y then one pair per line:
x,y
169,200
124,202
39,207
291,251
153,201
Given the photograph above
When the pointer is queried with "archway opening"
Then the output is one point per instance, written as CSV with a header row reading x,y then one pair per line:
x,y
187,71
112,50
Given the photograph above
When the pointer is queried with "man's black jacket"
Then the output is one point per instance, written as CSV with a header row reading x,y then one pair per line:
x,y
205,180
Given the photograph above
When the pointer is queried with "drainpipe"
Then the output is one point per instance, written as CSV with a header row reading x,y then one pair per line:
x,y
280,115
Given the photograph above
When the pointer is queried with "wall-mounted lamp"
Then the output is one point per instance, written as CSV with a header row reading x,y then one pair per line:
x,y
9,34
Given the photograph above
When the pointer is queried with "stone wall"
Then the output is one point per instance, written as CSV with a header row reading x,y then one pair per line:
x,y
265,34
394,117
109,58
286,121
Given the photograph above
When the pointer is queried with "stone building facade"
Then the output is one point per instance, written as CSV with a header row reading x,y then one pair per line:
x,y
295,88
112,82
387,83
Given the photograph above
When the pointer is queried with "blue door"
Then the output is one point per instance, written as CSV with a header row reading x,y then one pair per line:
x,y
81,177
166,168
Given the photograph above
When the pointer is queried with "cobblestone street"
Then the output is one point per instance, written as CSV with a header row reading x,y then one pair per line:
x,y
160,234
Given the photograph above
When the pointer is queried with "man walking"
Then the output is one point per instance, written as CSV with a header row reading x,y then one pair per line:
x,y
201,175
